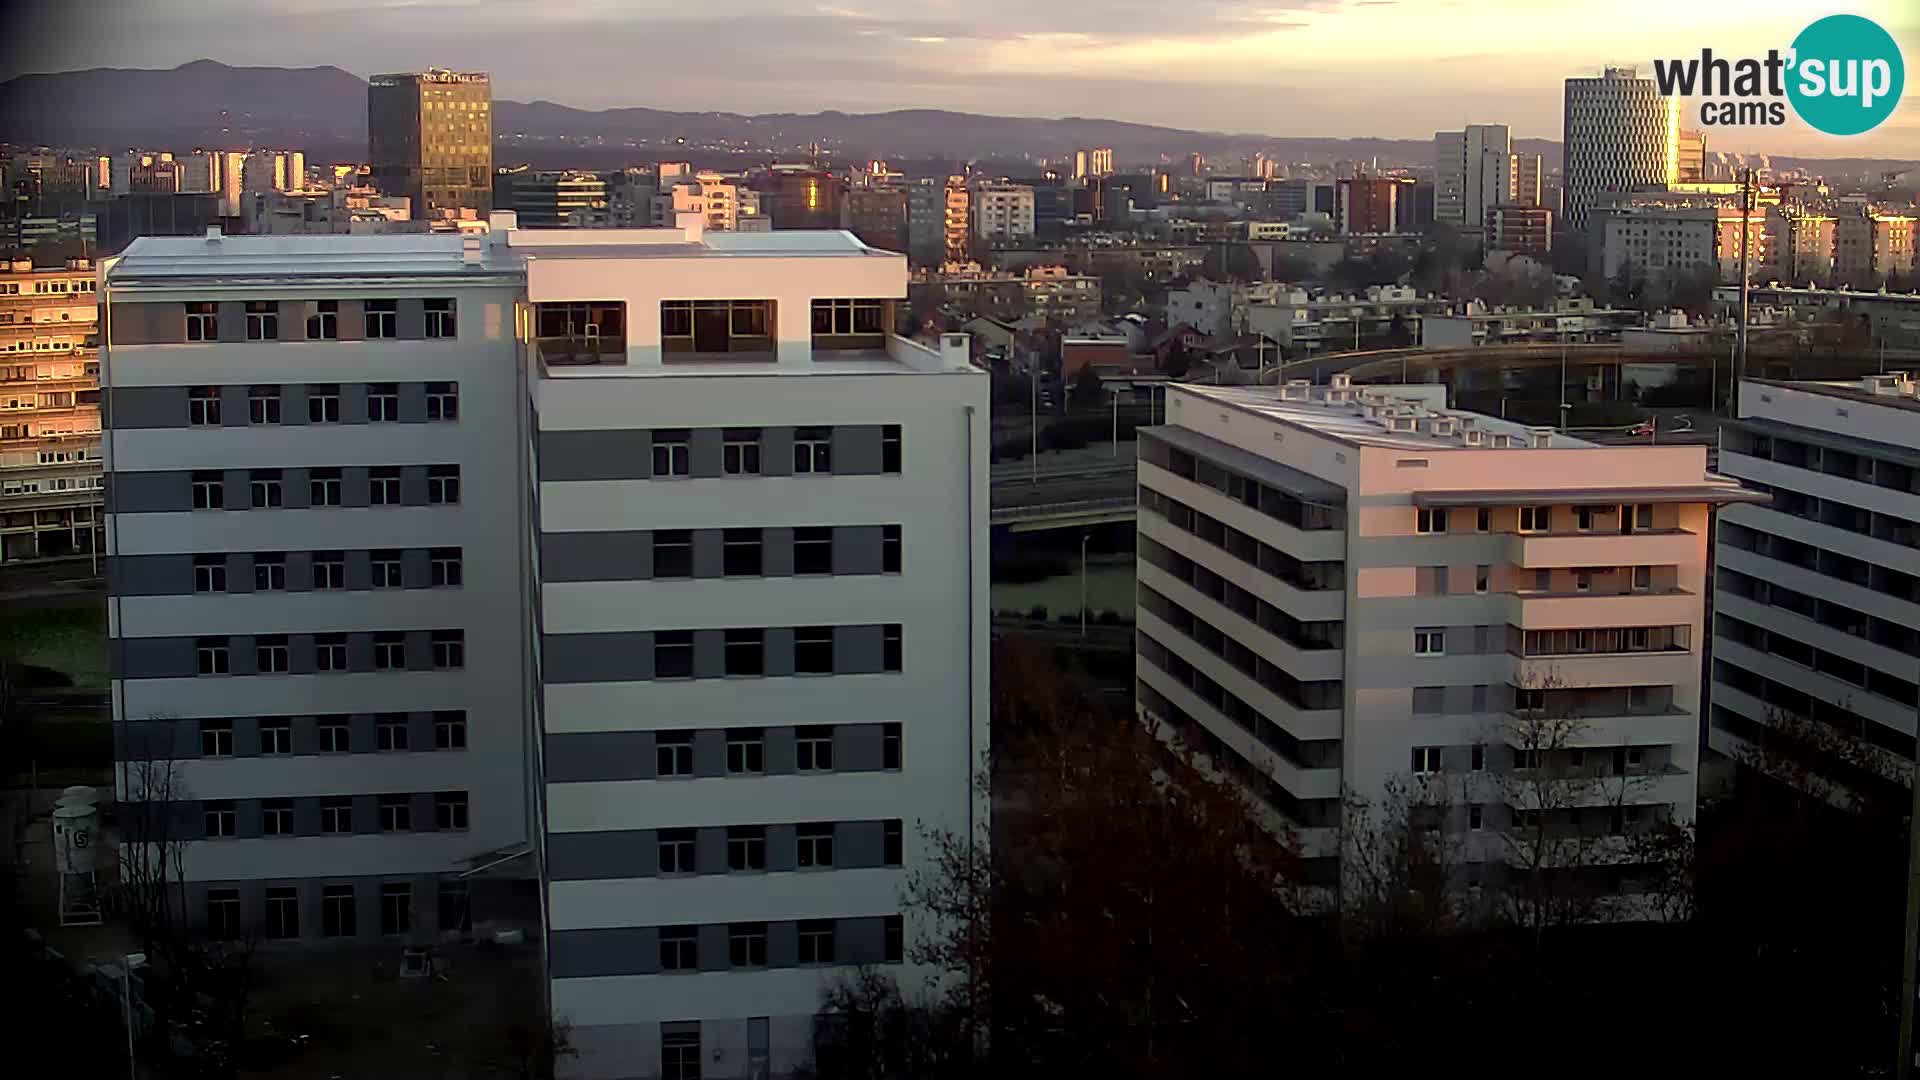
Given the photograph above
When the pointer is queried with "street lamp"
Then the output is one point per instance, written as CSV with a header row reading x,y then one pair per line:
x,y
127,964
1084,537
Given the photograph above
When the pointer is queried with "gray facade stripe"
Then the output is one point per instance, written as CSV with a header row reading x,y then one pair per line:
x,y
596,556
856,449
776,551
484,897
776,451
596,856
171,491
233,321
856,549
130,407
149,575
233,401
353,320
595,455
151,492
353,396
708,553
589,756
617,657
782,853
580,954
858,650
148,324
413,403
704,452
411,321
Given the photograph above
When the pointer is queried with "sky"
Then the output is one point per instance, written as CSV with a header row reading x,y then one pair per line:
x,y
1389,68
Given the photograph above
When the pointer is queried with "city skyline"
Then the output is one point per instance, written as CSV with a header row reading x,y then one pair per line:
x,y
990,58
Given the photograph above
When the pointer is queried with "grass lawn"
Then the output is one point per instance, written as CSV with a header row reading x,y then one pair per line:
x,y
72,640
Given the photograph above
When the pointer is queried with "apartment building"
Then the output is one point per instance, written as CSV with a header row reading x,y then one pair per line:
x,y
646,602
49,411
1346,589
1817,599
1870,245
1003,212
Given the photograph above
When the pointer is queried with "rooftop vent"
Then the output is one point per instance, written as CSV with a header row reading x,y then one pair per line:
x,y
1539,438
1341,381
1443,426
470,250
1472,436
1402,423
213,234
1295,390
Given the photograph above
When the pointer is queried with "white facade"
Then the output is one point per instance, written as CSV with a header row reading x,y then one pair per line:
x,y
1620,134
1653,241
1473,170
1817,604
721,556
49,411
1002,211
1345,588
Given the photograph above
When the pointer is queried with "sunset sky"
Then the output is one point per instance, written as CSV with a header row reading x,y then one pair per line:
x,y
1396,68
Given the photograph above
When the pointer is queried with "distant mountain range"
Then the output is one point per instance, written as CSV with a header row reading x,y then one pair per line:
x,y
323,111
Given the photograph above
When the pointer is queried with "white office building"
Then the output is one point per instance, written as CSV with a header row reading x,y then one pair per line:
x,y
1474,171
1620,134
1817,604
1344,589
1002,212
650,599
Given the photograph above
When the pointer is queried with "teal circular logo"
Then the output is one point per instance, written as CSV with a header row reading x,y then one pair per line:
x,y
1846,75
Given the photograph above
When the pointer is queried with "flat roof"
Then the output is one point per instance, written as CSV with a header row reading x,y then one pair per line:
x,y
1287,479
1846,391
1348,421
186,258
1902,455
1713,491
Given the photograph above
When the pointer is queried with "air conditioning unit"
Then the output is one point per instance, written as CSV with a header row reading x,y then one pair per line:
x,y
1472,436
1443,426
1341,381
1539,438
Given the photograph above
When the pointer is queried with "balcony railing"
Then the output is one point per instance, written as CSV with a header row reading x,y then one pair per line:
x,y
582,351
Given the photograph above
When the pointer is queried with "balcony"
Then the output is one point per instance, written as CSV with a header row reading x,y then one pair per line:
x,y
593,351
1641,547
1666,667
1580,610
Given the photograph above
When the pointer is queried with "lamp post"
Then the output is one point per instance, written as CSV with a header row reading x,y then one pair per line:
x,y
1033,447
1084,537
127,964
1115,394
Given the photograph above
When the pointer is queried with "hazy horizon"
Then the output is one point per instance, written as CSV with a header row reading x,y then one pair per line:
x,y
1398,69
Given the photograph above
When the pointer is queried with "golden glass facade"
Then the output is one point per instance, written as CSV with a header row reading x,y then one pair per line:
x,y
430,138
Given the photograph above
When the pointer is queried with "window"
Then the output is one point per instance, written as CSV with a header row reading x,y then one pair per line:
x,y
455,907
390,731
1483,519
383,318
209,573
1429,642
336,911
203,322
1429,521
889,549
385,568
676,851
276,735
840,318
323,487
263,321
679,948
396,813
1536,519
813,550
1583,581
1474,817
1426,760
283,912
223,914
812,450
680,1050
746,751
673,654
1482,578
443,401
269,572
816,846
740,552
740,452
890,448
813,650
671,453
747,945
264,488
440,317
1642,578
336,735
1643,516
1583,518
892,842
813,748
890,647
203,406
209,491
1526,760
210,654
1543,580
450,730
389,651
673,753
276,817
336,815
890,746
672,553
324,323
221,821
449,650
445,565
396,908
816,941
323,403
450,810
383,403
746,847
746,652
329,570
383,486
216,738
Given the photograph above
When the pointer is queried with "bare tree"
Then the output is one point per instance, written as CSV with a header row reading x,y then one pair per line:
x,y
1828,762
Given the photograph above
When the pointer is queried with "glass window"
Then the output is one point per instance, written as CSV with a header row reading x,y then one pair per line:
x,y
672,553
263,321
673,753
676,851
673,654
746,751
741,553
746,652
740,452
324,323
813,550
